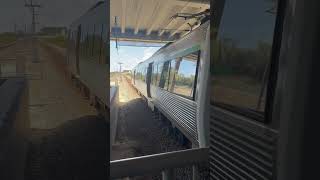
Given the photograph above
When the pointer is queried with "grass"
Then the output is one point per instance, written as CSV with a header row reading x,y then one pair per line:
x,y
6,38
59,41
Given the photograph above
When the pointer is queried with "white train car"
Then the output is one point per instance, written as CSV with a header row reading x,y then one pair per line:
x,y
87,52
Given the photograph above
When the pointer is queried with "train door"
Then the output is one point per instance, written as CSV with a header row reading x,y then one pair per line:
x,y
78,49
149,73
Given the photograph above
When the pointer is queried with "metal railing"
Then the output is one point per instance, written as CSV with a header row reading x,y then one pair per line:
x,y
163,162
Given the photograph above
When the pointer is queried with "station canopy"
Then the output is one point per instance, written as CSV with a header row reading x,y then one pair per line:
x,y
152,22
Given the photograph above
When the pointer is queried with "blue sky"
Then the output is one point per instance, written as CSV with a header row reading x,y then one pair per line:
x,y
130,56
187,68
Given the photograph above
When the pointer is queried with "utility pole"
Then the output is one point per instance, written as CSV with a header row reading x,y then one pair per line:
x,y
33,7
120,65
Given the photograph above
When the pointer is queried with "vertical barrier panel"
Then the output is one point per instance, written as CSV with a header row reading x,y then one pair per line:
x,y
114,106
14,125
168,174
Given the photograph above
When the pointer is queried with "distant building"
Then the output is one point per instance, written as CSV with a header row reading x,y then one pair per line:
x,y
54,31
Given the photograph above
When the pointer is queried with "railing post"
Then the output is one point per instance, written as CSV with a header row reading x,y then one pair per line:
x,y
195,170
167,174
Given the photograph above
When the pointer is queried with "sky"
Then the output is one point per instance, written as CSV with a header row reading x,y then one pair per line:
x,y
130,56
53,13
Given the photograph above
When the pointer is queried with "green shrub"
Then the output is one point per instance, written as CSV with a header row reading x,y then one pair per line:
x,y
6,38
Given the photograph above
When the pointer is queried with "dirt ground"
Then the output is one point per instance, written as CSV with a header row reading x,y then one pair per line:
x,y
67,140
135,132
53,99
139,133
74,150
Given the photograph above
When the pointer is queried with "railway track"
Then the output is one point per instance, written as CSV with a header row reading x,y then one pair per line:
x,y
156,136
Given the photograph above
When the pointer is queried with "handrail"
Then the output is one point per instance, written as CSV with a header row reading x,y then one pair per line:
x,y
157,162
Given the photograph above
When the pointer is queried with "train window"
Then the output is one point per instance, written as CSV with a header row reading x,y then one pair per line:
x,y
164,75
87,43
145,73
166,85
136,77
93,40
160,66
142,73
96,47
242,55
82,47
138,73
101,46
154,74
183,73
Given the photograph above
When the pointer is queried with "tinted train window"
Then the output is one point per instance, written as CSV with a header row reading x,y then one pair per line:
x,y
154,74
87,43
164,75
160,67
140,74
81,41
144,74
101,46
182,75
93,36
242,54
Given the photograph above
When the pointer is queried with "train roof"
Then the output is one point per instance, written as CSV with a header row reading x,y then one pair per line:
x,y
95,14
179,42
96,5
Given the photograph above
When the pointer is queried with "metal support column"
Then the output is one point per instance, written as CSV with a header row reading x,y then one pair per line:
x,y
195,170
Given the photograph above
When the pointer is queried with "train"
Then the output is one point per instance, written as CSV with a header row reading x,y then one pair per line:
x,y
87,55
171,82
216,86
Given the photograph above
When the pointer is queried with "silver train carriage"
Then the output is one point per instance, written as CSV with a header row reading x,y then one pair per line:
x,y
87,58
227,100
173,79
262,98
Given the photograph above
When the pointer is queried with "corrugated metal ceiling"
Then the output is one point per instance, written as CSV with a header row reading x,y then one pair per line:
x,y
151,20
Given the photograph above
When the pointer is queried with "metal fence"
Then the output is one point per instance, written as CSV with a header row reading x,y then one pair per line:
x,y
114,106
163,162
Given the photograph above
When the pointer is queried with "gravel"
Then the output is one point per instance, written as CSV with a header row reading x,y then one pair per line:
x,y
142,132
75,150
